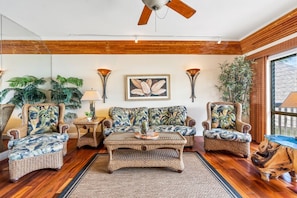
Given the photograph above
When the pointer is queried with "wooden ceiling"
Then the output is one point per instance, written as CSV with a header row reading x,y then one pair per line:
x,y
276,30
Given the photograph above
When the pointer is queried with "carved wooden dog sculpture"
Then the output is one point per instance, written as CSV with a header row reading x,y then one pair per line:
x,y
273,160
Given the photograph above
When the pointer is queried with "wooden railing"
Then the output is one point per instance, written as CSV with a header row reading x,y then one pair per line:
x,y
285,121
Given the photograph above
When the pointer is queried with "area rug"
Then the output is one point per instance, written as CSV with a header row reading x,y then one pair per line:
x,y
199,179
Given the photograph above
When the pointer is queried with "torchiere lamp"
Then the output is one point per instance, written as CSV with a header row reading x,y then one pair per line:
x,y
104,74
92,96
193,73
1,73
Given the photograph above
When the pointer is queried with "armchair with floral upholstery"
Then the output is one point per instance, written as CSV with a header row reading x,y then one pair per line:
x,y
224,129
40,142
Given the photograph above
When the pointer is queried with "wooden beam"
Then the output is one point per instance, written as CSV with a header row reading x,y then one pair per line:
x,y
276,30
281,28
120,47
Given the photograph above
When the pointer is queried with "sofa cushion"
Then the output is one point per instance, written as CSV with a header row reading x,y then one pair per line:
x,y
128,116
138,115
35,145
229,135
108,131
174,115
31,150
223,116
184,130
31,139
120,116
43,119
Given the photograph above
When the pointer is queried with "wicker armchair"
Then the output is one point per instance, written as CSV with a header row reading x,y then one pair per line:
x,y
224,129
5,113
40,142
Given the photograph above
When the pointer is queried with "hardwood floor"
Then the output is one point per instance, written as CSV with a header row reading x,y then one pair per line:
x,y
239,172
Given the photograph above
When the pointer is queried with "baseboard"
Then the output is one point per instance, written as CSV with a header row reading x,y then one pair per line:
x,y
3,155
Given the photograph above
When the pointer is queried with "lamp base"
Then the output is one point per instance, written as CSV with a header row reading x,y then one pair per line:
x,y
92,109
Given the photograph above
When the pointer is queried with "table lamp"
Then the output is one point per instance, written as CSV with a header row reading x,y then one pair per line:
x,y
92,96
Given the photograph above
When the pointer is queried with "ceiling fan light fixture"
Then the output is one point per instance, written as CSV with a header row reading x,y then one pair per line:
x,y
155,4
219,40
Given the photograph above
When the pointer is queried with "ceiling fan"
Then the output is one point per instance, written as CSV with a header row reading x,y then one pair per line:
x,y
153,5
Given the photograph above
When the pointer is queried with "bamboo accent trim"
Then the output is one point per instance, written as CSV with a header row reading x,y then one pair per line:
x,y
258,118
276,30
284,46
120,47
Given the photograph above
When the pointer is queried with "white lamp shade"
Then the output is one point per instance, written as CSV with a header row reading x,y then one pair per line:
x,y
91,95
290,101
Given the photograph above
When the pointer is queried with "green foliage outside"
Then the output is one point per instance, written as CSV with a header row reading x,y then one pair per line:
x,y
235,82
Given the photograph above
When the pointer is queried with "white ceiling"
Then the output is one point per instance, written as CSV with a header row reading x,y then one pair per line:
x,y
117,19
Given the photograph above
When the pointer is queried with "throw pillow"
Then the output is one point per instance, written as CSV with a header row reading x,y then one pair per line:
x,y
223,116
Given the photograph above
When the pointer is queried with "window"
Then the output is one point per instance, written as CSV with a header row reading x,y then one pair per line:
x,y
283,82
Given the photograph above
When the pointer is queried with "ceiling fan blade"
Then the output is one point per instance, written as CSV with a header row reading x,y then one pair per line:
x,y
181,8
145,15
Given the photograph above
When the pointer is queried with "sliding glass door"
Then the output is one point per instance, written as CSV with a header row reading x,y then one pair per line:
x,y
284,95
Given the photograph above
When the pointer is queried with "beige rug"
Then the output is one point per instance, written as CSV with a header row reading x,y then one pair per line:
x,y
198,179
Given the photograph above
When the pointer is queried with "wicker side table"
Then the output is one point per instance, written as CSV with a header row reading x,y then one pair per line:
x,y
127,151
90,138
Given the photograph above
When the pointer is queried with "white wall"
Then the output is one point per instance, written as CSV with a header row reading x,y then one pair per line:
x,y
85,67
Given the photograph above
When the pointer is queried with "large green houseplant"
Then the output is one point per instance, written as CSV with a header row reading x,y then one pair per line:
x,y
65,90
235,82
24,90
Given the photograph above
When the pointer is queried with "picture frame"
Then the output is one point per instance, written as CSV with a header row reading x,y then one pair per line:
x,y
147,87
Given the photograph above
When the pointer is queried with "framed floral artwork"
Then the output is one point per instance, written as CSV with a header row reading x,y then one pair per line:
x,y
147,87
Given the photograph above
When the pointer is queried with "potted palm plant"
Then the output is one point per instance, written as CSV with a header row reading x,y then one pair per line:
x,y
65,90
24,90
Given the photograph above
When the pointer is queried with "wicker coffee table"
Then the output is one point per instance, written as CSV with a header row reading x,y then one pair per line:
x,y
125,150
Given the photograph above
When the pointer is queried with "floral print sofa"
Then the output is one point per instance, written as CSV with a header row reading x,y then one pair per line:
x,y
161,119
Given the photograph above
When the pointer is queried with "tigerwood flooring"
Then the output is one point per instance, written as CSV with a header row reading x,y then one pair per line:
x,y
239,172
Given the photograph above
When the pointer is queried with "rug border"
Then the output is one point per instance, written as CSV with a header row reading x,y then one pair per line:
x,y
67,190
225,184
232,191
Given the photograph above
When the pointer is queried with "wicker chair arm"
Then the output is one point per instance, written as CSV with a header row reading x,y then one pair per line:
x,y
17,133
63,128
206,124
243,126
107,123
190,121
